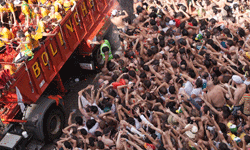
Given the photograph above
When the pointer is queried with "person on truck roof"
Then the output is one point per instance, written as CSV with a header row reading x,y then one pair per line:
x,y
67,4
28,12
5,34
25,51
54,15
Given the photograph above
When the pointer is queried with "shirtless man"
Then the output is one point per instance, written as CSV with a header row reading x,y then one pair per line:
x,y
238,93
118,20
216,95
240,89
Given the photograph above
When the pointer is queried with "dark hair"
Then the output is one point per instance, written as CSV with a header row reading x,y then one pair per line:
x,y
171,89
74,130
83,132
146,68
162,43
153,15
132,73
182,41
143,75
100,144
131,121
174,64
90,123
198,83
171,42
155,28
139,9
79,120
115,56
94,109
91,141
226,112
182,50
185,32
147,83
152,22
182,25
163,90
191,73
206,109
241,32
226,31
68,145
207,63
98,133
223,146
247,139
223,127
194,22
230,42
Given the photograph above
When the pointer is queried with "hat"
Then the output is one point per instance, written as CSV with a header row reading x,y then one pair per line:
x,y
237,79
172,22
191,133
172,120
114,12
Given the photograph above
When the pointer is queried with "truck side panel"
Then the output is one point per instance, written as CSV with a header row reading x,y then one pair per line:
x,y
76,27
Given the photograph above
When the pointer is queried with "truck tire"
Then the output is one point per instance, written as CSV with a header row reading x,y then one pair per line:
x,y
53,124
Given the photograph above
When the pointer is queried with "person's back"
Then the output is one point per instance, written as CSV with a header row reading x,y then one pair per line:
x,y
216,96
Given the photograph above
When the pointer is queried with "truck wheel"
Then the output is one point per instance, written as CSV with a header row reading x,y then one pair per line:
x,y
53,124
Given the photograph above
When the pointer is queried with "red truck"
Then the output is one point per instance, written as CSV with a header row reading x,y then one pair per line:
x,y
44,117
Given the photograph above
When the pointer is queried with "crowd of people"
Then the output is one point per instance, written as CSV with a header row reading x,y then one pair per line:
x,y
182,82
24,24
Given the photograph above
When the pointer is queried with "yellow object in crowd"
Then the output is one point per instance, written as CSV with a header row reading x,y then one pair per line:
x,y
56,15
40,27
11,68
7,34
44,12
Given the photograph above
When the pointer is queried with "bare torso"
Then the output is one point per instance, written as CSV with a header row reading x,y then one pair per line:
x,y
118,22
216,96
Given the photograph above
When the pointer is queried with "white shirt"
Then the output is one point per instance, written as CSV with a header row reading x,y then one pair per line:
x,y
197,92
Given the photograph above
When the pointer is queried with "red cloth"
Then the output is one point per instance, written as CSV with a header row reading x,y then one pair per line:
x,y
146,145
177,22
4,77
121,82
190,24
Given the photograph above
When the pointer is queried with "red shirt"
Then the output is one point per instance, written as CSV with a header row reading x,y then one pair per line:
x,y
177,22
116,84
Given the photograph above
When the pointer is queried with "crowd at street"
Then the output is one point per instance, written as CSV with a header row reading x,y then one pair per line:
x,y
182,82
